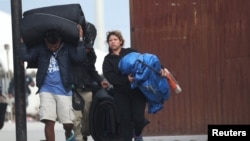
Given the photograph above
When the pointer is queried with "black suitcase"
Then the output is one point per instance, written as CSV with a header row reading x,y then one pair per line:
x,y
104,118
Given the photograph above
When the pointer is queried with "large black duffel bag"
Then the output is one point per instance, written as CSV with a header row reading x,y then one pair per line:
x,y
71,12
34,26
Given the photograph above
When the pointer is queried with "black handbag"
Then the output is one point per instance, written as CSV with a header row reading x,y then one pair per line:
x,y
3,107
77,101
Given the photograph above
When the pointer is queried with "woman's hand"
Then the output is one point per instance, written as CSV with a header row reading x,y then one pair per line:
x,y
105,84
130,78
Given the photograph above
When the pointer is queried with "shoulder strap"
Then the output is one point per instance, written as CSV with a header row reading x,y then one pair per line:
x,y
148,66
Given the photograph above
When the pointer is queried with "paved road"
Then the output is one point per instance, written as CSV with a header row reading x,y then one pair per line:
x,y
35,133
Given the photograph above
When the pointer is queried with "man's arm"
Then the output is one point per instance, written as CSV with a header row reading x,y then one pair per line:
x,y
78,54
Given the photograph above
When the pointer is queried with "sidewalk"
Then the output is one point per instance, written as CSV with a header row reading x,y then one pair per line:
x,y
35,133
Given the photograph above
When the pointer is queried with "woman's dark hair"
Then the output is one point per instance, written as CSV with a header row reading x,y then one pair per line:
x,y
52,36
117,34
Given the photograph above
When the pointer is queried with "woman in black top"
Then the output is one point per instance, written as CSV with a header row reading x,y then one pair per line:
x,y
131,103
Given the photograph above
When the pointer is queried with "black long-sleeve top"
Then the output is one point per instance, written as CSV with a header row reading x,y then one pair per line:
x,y
85,73
112,73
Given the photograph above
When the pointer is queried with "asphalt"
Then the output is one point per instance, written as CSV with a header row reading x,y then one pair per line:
x,y
35,133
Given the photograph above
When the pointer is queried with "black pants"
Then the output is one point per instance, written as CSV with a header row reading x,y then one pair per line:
x,y
131,106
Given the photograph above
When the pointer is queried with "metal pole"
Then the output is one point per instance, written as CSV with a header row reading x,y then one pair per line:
x,y
7,47
20,104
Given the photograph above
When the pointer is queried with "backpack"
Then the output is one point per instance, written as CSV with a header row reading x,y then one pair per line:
x,y
145,69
